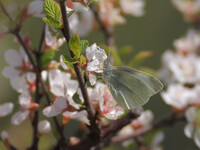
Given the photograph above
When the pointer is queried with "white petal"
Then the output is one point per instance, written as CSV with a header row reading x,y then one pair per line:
x,y
6,109
31,77
92,79
190,114
10,72
19,84
44,74
197,137
93,66
48,36
158,138
18,117
188,130
62,63
60,104
35,8
50,111
13,58
82,116
90,51
4,135
24,100
44,127
127,130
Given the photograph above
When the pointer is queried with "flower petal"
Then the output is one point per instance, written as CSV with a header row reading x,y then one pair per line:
x,y
19,117
13,58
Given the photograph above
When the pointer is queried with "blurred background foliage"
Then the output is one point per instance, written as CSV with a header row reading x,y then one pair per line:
x,y
156,31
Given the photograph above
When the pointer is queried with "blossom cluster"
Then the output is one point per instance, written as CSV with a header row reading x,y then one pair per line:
x,y
59,78
181,74
189,8
83,20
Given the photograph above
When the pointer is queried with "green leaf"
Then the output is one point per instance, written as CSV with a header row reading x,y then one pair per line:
x,y
53,13
77,99
82,60
69,60
46,57
84,45
71,12
139,58
125,51
75,45
51,22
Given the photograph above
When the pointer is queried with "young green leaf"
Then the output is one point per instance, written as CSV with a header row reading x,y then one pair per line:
x,y
77,99
75,45
71,12
46,57
84,45
53,13
82,60
69,60
139,58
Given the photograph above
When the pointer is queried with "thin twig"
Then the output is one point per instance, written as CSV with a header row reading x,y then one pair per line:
x,y
42,39
108,31
167,121
5,12
63,141
91,112
107,133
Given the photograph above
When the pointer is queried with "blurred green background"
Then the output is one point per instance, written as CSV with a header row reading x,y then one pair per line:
x,y
156,31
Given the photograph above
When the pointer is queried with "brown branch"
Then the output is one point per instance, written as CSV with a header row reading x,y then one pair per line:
x,y
5,12
108,31
107,133
90,110
167,121
63,140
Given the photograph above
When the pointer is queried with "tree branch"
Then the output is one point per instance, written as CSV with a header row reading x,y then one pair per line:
x,y
90,110
167,121
108,31
5,12
63,140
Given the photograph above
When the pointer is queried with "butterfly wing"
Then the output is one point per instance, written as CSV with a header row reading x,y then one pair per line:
x,y
131,88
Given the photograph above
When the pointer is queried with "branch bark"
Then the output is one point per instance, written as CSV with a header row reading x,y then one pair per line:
x,y
90,110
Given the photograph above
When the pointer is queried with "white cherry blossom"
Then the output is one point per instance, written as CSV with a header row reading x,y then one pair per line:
x,y
82,20
35,8
179,96
96,57
61,83
4,135
133,7
109,14
108,106
188,44
26,107
44,127
17,69
6,109
52,41
143,120
59,105
185,69
81,116
192,129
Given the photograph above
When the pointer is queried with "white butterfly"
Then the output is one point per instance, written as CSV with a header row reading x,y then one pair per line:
x,y
131,88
